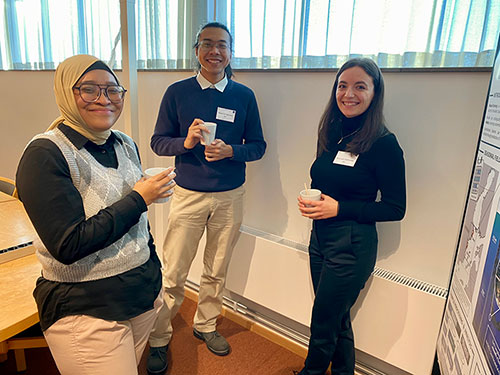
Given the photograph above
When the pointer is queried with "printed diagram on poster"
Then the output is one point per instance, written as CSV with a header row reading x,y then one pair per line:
x,y
473,239
469,339
487,317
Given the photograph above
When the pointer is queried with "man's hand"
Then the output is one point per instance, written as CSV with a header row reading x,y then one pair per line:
x,y
194,135
218,150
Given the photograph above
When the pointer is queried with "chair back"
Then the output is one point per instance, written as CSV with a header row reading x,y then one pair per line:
x,y
8,186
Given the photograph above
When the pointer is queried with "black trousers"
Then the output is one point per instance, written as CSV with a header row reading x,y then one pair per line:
x,y
342,256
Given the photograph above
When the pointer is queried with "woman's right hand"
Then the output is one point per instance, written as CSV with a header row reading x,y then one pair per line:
x,y
325,208
158,186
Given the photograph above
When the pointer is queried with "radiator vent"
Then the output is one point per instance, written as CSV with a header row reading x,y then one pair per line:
x,y
385,274
273,238
20,246
411,282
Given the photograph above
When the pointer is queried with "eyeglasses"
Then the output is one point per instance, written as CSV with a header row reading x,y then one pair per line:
x,y
90,93
207,46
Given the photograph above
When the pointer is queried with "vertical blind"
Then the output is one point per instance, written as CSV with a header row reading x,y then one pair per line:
x,y
38,34
395,33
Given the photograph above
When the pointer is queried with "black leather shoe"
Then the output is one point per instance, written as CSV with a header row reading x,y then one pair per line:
x,y
216,343
157,360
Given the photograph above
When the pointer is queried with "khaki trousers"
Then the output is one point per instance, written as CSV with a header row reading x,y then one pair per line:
x,y
191,212
85,345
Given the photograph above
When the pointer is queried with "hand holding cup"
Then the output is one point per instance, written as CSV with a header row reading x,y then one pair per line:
x,y
194,135
321,206
157,185
208,133
310,195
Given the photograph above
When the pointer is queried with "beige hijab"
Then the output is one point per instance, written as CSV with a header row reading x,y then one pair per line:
x,y
67,74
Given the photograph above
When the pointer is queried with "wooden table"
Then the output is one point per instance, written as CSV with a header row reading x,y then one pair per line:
x,y
6,197
16,231
17,280
18,309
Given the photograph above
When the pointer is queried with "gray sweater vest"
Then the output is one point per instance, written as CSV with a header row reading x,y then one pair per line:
x,y
99,187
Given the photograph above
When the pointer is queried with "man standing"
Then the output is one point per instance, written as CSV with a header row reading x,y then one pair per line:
x,y
209,191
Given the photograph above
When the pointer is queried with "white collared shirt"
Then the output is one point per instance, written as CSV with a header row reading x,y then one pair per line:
x,y
206,84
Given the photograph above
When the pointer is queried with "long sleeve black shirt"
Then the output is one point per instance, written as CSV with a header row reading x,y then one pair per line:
x,y
55,208
380,169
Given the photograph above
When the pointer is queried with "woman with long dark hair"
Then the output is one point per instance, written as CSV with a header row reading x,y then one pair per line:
x,y
357,158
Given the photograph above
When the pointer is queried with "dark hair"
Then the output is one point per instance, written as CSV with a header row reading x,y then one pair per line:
x,y
373,118
228,70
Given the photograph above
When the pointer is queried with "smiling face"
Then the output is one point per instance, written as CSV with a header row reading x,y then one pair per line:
x,y
354,92
213,60
102,114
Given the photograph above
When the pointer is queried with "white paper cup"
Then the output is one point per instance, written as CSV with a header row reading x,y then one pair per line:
x,y
311,195
208,138
150,172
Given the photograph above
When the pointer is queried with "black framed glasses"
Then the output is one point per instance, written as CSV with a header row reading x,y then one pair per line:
x,y
207,45
90,92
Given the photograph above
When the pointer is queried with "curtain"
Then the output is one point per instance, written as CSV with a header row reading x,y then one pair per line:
x,y
157,23
38,34
395,33
166,30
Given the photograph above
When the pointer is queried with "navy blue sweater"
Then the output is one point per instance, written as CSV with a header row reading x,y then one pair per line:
x,y
182,103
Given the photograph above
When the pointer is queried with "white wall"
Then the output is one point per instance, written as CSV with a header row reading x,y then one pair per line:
x,y
27,107
436,117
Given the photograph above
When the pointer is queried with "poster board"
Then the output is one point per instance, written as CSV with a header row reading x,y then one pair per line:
x,y
469,338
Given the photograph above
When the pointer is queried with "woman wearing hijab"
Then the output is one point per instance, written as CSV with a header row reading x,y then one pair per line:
x,y
81,184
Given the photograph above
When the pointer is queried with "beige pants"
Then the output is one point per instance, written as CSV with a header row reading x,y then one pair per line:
x,y
85,345
191,212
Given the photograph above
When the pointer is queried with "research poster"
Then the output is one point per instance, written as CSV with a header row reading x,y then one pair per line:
x,y
469,339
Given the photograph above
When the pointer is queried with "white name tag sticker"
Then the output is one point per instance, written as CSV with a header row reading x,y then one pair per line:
x,y
225,114
345,158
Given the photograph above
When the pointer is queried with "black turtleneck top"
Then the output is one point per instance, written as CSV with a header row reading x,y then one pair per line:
x,y
380,169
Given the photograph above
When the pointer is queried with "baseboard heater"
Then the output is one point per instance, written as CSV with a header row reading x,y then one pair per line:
x,y
281,329
395,320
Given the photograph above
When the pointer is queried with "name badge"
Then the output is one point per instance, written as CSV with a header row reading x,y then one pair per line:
x,y
225,114
345,158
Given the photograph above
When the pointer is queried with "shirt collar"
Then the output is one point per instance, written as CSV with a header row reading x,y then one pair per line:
x,y
206,84
79,140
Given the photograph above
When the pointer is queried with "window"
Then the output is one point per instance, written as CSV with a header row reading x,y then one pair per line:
x,y
395,33
38,34
325,33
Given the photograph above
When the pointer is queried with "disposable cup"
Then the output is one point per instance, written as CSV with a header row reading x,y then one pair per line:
x,y
311,195
150,172
208,138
